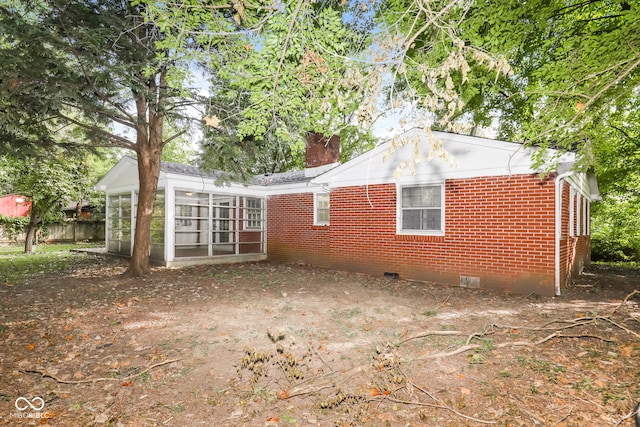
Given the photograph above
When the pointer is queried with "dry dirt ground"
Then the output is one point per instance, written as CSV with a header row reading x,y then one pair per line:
x,y
282,345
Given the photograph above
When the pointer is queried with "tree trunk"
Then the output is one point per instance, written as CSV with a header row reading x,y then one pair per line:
x,y
148,171
32,227
149,148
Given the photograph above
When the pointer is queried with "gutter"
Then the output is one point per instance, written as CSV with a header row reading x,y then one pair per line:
x,y
558,182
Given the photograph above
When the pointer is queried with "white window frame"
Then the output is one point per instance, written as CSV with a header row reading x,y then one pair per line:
x,y
572,211
316,207
251,223
578,214
399,209
587,217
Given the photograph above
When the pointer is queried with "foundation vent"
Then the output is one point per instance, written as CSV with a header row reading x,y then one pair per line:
x,y
469,282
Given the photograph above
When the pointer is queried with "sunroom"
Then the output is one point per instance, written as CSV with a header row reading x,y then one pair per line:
x,y
195,220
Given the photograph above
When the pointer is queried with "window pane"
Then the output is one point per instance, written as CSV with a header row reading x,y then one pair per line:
x,y
431,219
429,196
323,215
411,219
323,201
253,213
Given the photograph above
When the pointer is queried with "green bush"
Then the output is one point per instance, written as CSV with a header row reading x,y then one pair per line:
x,y
13,225
615,226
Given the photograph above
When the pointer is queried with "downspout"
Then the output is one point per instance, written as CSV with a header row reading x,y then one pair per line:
x,y
558,182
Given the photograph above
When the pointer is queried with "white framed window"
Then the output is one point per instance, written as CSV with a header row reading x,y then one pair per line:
x,y
253,213
321,209
421,209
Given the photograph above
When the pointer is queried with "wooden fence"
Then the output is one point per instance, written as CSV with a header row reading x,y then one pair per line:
x,y
70,231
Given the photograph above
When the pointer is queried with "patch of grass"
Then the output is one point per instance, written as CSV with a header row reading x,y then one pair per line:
x,y
429,313
76,406
177,409
632,265
288,419
7,250
56,258
475,359
540,365
347,314
487,346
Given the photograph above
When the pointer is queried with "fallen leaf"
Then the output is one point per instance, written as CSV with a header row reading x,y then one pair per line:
x,y
283,394
276,419
386,416
465,391
626,351
69,337
31,346
126,384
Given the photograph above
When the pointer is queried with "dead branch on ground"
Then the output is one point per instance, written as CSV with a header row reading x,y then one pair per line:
x,y
95,380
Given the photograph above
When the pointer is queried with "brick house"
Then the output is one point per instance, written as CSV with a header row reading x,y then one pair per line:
x,y
477,214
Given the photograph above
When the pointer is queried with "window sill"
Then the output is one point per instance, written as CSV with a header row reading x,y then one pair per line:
x,y
420,237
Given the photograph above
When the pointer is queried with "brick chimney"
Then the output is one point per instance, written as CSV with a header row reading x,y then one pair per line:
x,y
321,150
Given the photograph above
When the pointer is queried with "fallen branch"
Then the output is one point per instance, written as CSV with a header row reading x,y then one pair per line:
x,y
470,347
626,299
311,386
430,333
441,405
95,380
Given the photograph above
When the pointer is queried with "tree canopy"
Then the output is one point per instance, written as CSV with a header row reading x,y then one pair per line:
x,y
94,65
555,74
47,182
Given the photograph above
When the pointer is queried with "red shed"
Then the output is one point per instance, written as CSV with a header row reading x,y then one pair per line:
x,y
14,205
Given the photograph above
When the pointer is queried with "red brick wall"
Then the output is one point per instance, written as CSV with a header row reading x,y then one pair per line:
x,y
250,242
499,229
291,235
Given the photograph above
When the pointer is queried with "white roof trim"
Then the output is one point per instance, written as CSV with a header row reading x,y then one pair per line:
x,y
474,156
